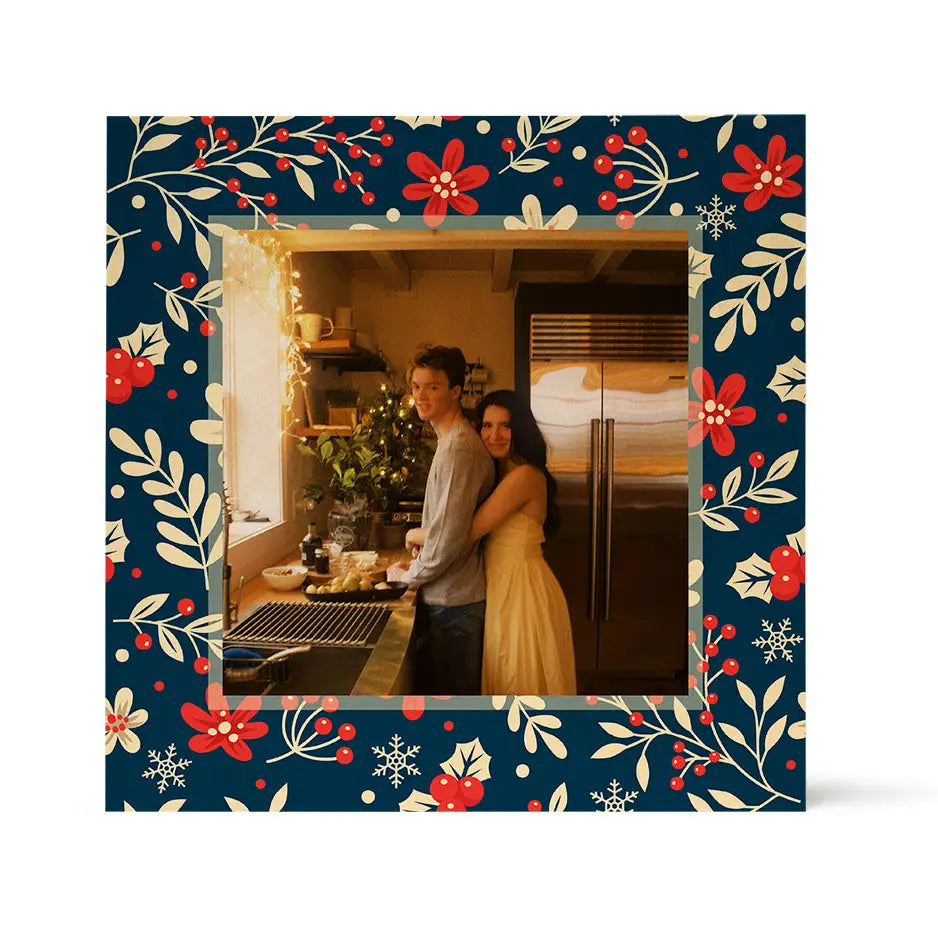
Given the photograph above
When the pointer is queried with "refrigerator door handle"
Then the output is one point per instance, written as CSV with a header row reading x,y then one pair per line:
x,y
609,468
594,483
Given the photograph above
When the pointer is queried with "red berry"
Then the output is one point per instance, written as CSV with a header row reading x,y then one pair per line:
x,y
691,682
784,559
171,394
471,790
156,246
625,219
320,146
272,218
607,201
346,731
340,185
712,698
344,755
636,719
731,666
354,151
108,569
707,490
158,685
756,460
677,783
260,783
270,199
232,145
602,164
752,515
700,769
243,202
323,725
791,764
452,805
302,226
656,699
136,573
118,362
711,648
703,667
553,145
535,805
375,159
188,280
207,327
233,184
714,757
624,179
328,120
200,665
448,726
614,143
377,124
682,153
508,144
221,133
691,636
199,163
591,700
185,607
678,746
728,631
283,163
801,568
341,136
444,788
208,120
678,762
785,586
637,136
386,140
143,641
330,704
368,198
141,372
706,717
783,418
356,178
282,134
201,143
711,621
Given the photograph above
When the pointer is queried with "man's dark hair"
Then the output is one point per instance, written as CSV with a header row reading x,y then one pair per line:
x,y
441,358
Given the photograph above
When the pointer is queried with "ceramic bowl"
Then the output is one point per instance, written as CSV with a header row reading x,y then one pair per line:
x,y
285,578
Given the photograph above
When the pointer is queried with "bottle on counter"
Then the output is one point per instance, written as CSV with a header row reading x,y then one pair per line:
x,y
309,545
322,560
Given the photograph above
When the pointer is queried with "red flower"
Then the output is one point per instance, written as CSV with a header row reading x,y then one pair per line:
x,y
764,178
444,187
715,413
221,727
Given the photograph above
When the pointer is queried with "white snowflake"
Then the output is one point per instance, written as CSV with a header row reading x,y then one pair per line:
x,y
167,768
396,761
777,640
715,217
616,800
615,120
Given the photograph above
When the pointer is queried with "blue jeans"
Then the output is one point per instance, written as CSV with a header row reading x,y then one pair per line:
x,y
449,649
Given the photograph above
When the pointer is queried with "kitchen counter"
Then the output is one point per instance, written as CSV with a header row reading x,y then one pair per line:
x,y
388,667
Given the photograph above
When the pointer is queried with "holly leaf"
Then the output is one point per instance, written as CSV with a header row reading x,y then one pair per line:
x,y
115,540
789,380
146,341
796,540
468,759
751,578
414,122
418,801
698,270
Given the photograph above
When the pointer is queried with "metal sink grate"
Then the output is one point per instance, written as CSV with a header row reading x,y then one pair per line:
x,y
334,625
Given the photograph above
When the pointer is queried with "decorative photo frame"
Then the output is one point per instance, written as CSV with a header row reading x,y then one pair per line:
x,y
734,742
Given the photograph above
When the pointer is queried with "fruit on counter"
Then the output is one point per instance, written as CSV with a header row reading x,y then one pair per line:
x,y
383,585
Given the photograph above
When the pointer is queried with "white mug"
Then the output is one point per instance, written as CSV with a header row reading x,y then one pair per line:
x,y
311,327
343,317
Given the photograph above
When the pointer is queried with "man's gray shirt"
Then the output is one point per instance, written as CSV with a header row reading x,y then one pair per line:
x,y
461,477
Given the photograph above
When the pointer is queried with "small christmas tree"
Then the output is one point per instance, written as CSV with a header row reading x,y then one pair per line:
x,y
394,432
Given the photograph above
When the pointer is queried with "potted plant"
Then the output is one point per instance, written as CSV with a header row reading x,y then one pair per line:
x,y
352,463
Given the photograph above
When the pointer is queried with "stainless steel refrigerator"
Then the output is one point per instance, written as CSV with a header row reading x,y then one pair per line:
x,y
609,392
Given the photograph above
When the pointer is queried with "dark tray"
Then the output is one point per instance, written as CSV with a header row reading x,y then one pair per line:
x,y
358,596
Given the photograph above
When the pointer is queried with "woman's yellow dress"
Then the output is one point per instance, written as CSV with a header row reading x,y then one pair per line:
x,y
528,640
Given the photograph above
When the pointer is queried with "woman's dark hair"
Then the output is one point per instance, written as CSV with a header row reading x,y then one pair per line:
x,y
442,358
527,442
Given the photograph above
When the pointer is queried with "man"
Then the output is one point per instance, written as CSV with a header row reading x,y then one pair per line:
x,y
449,570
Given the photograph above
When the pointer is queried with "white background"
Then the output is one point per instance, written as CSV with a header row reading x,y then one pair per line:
x,y
860,861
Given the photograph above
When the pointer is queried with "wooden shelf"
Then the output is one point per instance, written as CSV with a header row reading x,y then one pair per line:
x,y
343,355
318,429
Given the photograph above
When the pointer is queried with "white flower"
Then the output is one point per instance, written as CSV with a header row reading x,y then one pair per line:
x,y
534,219
119,722
694,573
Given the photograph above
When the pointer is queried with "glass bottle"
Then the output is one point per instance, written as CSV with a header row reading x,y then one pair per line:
x,y
309,545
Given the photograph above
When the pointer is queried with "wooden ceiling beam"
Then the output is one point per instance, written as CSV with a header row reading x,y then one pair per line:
x,y
394,266
603,263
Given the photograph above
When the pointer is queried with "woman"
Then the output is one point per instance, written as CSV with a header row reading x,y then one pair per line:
x,y
528,640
